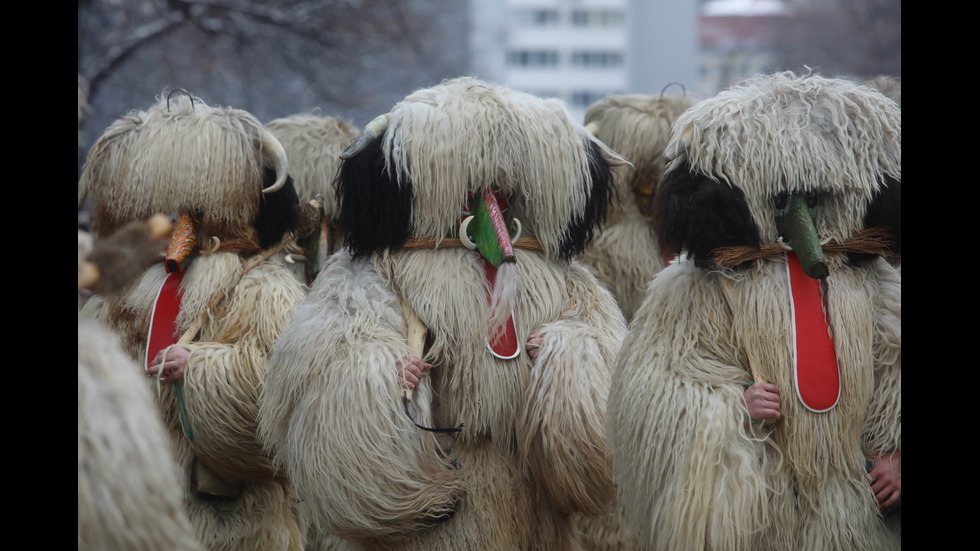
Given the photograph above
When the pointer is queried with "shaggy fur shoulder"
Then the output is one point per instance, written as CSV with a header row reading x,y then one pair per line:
x,y
691,473
356,444
227,360
562,425
128,489
674,416
884,428
227,364
531,441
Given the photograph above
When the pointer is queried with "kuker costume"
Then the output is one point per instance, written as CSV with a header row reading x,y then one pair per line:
x,y
517,446
770,199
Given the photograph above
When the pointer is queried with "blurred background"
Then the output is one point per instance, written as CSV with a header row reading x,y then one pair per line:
x,y
355,59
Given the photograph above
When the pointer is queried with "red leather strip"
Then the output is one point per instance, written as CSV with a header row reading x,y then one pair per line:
x,y
816,371
163,320
505,346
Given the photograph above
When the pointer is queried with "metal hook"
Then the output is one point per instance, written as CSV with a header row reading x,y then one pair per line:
x,y
683,90
172,92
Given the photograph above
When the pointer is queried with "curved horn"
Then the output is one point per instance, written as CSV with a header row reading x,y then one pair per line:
x,y
611,158
614,159
215,243
676,146
278,153
82,190
373,129
469,244
517,235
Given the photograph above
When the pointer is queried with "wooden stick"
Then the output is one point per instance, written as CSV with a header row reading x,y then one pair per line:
x,y
416,331
527,243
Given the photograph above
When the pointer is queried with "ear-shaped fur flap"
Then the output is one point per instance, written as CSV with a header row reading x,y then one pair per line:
x,y
694,213
885,211
580,232
375,209
279,212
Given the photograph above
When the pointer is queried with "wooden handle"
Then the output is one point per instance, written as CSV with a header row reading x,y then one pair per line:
x,y
415,330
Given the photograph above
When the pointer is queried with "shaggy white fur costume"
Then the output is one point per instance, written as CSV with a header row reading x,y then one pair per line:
x,y
532,446
531,451
220,392
128,492
692,474
625,254
182,156
313,144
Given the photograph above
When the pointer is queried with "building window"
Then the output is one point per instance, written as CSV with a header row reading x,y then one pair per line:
x,y
598,18
597,59
536,17
533,58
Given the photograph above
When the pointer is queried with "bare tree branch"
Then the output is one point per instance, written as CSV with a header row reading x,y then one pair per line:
x,y
96,69
349,58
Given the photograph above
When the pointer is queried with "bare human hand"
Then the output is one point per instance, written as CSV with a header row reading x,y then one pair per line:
x,y
169,363
886,478
533,345
410,370
762,401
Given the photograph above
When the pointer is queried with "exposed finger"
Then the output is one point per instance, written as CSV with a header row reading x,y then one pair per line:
x,y
881,486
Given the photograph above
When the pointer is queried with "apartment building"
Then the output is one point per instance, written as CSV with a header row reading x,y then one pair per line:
x,y
582,50
736,40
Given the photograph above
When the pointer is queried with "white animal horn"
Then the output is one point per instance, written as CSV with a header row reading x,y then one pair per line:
x,y
462,233
517,235
373,129
82,190
678,145
614,159
278,153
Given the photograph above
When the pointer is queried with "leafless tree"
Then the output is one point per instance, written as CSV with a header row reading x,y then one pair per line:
x,y
348,58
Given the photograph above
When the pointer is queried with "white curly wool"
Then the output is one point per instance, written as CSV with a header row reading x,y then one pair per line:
x,y
530,454
129,495
692,474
